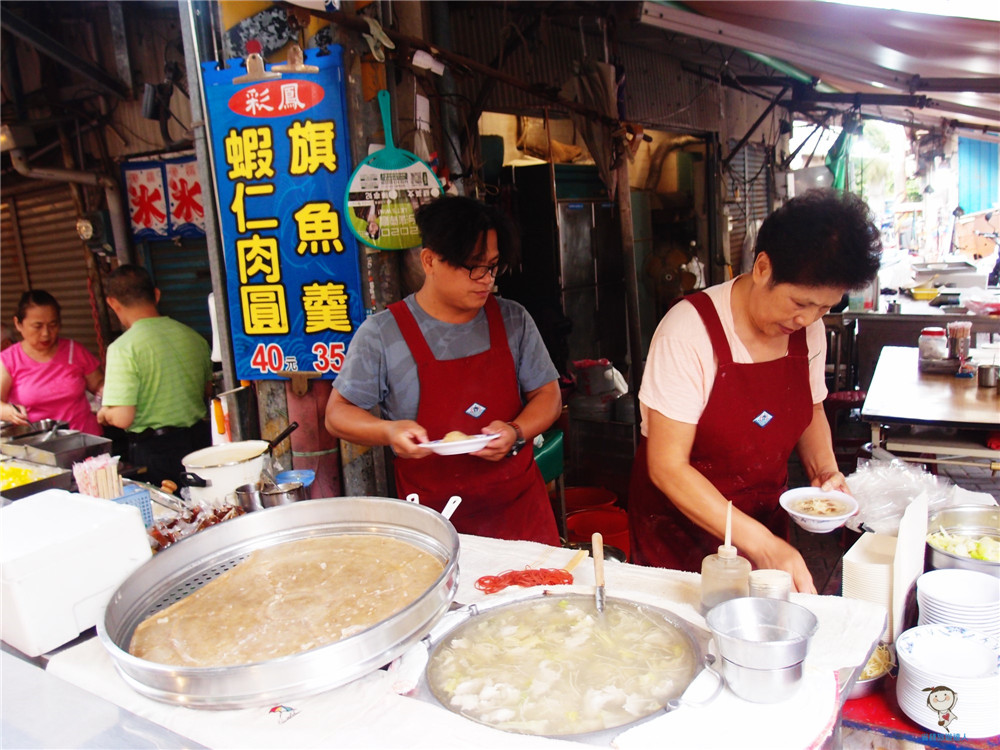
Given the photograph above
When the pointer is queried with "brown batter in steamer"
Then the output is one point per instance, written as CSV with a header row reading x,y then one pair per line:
x,y
287,599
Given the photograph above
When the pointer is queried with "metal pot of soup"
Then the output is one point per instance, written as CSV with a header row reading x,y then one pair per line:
x,y
551,665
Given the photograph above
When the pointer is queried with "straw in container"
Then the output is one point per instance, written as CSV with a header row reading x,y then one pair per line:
x,y
98,477
959,339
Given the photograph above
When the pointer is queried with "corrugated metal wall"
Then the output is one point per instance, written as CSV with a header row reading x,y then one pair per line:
x,y
42,224
746,196
657,91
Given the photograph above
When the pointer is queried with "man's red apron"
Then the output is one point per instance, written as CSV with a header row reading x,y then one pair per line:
x,y
755,415
503,499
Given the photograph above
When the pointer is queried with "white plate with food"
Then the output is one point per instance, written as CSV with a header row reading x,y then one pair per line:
x,y
458,442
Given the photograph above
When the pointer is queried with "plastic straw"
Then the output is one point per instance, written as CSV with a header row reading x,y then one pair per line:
x,y
729,524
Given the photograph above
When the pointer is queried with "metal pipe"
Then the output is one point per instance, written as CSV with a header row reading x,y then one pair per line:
x,y
192,37
993,466
441,29
116,206
763,115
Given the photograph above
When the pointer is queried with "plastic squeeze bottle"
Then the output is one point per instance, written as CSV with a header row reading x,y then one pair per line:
x,y
724,575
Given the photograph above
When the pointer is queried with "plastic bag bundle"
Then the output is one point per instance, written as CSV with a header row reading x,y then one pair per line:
x,y
885,486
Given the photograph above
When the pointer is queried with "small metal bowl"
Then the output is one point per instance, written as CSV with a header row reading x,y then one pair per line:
x,y
762,685
762,633
260,495
864,688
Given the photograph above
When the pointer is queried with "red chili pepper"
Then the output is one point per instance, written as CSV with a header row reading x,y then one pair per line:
x,y
524,578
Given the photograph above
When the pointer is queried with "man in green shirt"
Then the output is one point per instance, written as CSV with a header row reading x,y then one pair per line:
x,y
158,378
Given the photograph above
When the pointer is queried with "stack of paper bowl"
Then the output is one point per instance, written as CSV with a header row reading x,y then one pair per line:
x,y
965,598
949,679
867,572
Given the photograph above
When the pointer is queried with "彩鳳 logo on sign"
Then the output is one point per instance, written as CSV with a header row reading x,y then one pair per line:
x,y
276,98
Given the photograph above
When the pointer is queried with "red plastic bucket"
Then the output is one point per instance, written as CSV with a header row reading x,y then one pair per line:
x,y
611,522
588,498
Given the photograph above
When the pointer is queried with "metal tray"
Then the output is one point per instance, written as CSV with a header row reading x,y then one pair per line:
x,y
943,267
11,430
64,448
184,567
50,478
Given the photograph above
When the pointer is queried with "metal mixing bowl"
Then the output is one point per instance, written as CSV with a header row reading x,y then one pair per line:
x,y
762,685
762,633
969,520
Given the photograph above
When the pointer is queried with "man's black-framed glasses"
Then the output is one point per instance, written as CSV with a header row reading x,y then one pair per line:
x,y
477,273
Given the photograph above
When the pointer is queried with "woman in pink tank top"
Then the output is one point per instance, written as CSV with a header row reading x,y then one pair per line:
x,y
44,376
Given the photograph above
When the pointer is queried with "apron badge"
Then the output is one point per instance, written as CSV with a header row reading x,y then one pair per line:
x,y
475,411
762,419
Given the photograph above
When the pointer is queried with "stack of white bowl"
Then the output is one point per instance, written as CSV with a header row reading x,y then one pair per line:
x,y
966,598
956,670
867,572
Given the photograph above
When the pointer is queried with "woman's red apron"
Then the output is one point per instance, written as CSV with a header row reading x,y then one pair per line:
x,y
755,415
503,499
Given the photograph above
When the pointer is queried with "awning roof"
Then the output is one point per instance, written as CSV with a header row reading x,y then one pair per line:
x,y
950,66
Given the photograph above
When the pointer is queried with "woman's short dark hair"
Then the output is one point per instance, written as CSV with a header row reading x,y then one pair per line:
x,y
452,225
36,298
130,285
822,238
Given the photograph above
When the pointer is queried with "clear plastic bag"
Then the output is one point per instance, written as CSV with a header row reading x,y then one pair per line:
x,y
980,301
884,486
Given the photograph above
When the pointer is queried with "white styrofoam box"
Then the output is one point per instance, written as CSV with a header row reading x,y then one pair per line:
x,y
62,555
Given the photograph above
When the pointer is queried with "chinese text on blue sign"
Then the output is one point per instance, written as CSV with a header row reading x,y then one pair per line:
x,y
281,167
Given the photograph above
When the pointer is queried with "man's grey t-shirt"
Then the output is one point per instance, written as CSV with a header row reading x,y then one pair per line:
x,y
379,369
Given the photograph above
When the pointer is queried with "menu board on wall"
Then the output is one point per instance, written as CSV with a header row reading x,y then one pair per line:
x,y
281,169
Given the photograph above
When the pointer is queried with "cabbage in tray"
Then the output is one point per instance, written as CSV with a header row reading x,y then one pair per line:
x,y
984,548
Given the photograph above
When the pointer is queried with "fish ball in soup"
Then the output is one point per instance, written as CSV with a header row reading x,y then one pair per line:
x,y
821,507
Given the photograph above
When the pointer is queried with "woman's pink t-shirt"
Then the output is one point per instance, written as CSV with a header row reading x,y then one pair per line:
x,y
56,389
680,368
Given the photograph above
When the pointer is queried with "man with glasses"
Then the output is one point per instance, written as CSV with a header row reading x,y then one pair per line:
x,y
453,357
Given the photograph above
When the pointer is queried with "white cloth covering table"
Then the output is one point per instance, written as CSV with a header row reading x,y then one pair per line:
x,y
370,713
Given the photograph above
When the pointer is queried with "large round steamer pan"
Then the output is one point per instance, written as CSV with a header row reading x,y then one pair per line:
x,y
186,566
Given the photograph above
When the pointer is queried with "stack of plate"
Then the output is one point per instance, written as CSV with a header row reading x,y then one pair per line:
x,y
867,572
966,598
949,679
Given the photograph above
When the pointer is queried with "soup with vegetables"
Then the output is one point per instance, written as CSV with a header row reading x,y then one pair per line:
x,y
821,507
557,667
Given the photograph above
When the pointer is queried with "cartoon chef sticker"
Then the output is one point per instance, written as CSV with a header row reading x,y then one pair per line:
x,y
942,701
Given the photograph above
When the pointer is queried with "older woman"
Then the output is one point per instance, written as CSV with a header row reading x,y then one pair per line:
x,y
44,376
735,380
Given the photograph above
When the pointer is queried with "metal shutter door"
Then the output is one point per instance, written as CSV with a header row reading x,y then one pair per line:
x,y
746,182
41,224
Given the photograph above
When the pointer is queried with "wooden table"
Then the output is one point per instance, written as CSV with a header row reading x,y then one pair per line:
x,y
875,330
947,415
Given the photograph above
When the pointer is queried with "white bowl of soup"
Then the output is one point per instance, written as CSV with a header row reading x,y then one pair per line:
x,y
818,511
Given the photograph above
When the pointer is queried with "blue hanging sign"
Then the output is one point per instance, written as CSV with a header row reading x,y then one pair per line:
x,y
281,170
